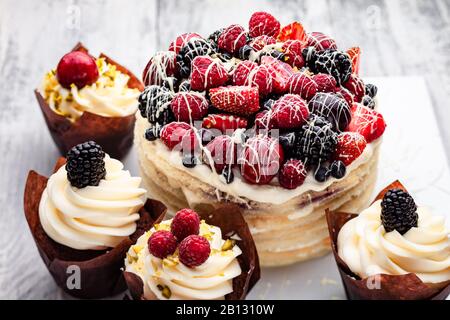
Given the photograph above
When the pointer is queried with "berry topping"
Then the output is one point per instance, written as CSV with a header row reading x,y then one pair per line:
x,y
185,86
248,73
355,57
172,134
292,174
350,145
287,141
161,66
338,169
356,86
310,57
305,86
228,174
85,165
325,82
214,37
368,102
185,223
207,73
232,38
289,112
240,100
335,63
331,107
320,41
162,244
371,90
224,122
245,52
206,135
263,23
189,106
398,211
181,41
280,72
369,123
189,160
222,152
322,174
194,251
78,68
261,159
293,53
263,120
293,31
344,94
194,48
150,134
261,41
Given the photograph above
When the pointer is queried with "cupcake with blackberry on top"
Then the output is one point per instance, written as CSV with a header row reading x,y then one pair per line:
x,y
84,218
87,98
394,249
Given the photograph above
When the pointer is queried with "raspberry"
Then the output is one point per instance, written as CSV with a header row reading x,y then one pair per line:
x,y
224,122
289,112
78,68
344,94
232,38
189,106
185,223
85,165
350,145
162,243
195,47
292,174
172,134
280,72
240,100
161,66
261,41
369,123
293,53
263,23
248,73
222,151
207,73
194,251
356,86
261,159
293,31
263,120
325,82
305,86
398,211
355,57
241,72
332,108
320,41
181,41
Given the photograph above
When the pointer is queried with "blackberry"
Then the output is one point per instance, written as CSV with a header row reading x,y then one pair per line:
x,y
193,48
371,90
185,86
338,169
335,63
368,102
214,37
316,143
310,57
287,142
333,108
85,165
244,52
398,211
228,174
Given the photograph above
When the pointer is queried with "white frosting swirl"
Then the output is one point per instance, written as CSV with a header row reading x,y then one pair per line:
x,y
210,281
94,217
368,249
109,96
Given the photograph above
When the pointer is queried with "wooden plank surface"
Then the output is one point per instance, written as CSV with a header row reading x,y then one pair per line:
x,y
398,37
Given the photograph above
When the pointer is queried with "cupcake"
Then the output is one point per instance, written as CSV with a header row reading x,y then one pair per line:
x,y
87,98
192,257
84,219
394,249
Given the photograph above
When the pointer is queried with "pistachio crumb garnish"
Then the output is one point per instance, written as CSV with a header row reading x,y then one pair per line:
x,y
165,291
131,259
228,244
137,248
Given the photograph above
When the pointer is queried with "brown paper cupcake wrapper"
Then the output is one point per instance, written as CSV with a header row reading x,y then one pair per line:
x,y
114,134
99,270
381,286
230,220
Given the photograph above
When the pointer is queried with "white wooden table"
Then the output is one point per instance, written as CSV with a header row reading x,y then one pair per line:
x,y
397,38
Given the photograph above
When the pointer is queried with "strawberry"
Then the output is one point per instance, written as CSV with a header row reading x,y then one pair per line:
x,y
222,151
181,41
369,123
355,57
300,83
293,31
356,86
325,82
263,23
189,106
207,73
173,133
232,38
161,66
248,73
280,72
240,100
289,112
293,53
350,146
224,122
320,41
261,41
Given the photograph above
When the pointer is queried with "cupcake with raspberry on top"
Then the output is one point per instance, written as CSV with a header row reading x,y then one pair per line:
x,y
88,98
84,218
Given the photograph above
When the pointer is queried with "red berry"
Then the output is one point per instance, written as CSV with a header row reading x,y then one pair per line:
x,y
76,67
232,38
172,134
162,243
248,73
350,146
325,82
194,251
161,66
222,151
189,106
181,41
356,86
263,23
355,57
369,123
289,112
293,52
305,86
293,31
207,73
224,122
345,94
261,41
320,41
261,159
263,120
240,100
185,223
292,174
280,72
